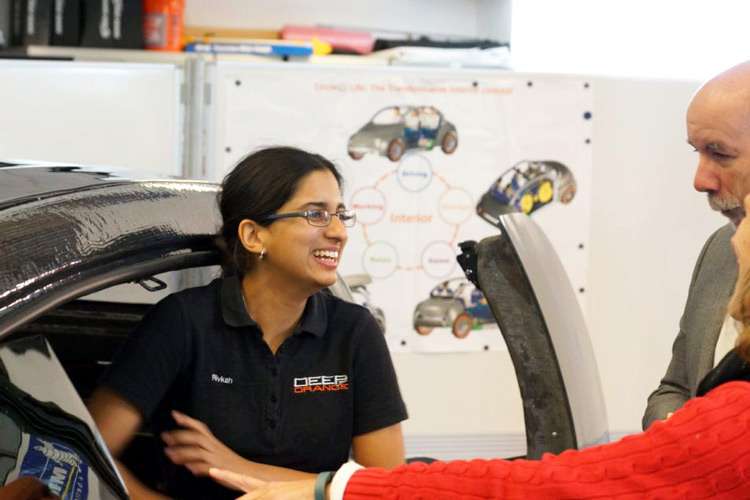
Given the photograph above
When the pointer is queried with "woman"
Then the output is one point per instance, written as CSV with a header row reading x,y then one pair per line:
x,y
702,451
260,372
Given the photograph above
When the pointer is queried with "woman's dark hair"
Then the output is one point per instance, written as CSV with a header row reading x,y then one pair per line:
x,y
257,187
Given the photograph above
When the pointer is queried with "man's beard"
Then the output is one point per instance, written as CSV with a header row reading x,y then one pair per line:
x,y
729,206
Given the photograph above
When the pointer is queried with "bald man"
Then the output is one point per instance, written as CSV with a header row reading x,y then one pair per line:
x,y
718,127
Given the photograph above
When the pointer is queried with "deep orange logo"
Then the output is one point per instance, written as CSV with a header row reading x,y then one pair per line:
x,y
321,383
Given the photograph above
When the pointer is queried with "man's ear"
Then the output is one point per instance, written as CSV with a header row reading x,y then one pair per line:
x,y
248,232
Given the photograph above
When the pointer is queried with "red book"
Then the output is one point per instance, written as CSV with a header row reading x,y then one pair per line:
x,y
359,42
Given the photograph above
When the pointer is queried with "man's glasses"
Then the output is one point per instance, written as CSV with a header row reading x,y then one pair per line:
x,y
319,218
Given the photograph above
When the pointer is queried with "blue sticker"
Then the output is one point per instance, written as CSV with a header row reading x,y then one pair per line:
x,y
57,466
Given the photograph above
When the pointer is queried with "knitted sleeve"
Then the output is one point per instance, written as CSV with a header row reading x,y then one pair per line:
x,y
702,451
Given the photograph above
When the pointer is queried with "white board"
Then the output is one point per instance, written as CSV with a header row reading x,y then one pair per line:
x,y
118,114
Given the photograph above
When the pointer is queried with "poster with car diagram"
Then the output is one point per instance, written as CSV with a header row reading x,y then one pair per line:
x,y
430,158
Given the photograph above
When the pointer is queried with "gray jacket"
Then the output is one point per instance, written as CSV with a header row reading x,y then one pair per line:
x,y
693,349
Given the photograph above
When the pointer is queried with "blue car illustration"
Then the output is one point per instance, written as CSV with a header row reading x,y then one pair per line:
x,y
526,187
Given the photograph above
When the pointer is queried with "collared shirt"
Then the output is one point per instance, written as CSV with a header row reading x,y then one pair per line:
x,y
199,352
730,330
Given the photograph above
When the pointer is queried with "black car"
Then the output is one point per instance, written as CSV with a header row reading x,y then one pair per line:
x,y
66,232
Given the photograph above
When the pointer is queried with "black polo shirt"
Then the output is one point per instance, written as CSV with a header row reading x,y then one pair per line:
x,y
199,352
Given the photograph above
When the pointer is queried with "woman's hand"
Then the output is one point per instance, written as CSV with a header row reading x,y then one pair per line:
x,y
256,489
196,448
26,488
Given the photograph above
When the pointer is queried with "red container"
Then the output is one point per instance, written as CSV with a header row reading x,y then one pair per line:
x,y
163,24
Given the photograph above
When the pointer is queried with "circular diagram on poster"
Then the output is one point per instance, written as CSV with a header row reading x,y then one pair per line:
x,y
414,173
394,227
369,204
438,259
380,259
456,206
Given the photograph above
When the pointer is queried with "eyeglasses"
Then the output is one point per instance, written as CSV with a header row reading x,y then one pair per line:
x,y
319,218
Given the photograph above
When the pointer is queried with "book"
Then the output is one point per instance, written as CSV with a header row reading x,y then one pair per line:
x,y
112,23
4,23
356,42
249,46
66,22
30,22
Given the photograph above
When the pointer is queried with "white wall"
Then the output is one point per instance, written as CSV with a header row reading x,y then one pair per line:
x,y
457,17
648,225
656,38
92,113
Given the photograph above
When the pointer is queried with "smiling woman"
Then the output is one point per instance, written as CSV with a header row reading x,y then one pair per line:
x,y
262,371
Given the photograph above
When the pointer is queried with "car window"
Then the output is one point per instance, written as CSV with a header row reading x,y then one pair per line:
x,y
57,360
133,292
45,430
388,116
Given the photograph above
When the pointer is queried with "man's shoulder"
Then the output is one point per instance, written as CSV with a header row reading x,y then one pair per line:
x,y
717,264
718,245
724,233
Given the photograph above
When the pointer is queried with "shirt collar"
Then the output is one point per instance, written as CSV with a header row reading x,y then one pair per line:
x,y
314,317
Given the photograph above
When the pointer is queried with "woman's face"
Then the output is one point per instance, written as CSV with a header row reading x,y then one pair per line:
x,y
741,245
304,255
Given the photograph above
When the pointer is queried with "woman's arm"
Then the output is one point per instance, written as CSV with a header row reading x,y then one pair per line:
x,y
378,405
701,450
118,420
255,489
381,448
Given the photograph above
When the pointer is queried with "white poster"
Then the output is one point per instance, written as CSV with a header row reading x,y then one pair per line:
x,y
430,158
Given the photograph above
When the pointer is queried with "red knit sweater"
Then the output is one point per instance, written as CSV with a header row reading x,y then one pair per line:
x,y
702,451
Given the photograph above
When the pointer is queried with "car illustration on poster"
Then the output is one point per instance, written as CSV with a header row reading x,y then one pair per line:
x,y
455,304
357,284
526,187
397,129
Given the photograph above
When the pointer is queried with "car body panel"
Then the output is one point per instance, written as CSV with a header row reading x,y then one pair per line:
x,y
67,231
93,229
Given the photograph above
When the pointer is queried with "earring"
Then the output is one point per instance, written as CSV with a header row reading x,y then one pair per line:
x,y
262,253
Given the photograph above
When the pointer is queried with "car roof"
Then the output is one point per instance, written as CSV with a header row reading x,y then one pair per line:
x,y
68,230
20,180
409,107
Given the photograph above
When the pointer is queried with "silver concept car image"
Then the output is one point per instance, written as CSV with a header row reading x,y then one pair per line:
x,y
397,129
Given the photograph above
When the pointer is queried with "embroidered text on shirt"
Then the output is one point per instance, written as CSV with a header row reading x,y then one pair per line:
x,y
221,379
321,383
